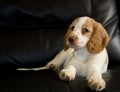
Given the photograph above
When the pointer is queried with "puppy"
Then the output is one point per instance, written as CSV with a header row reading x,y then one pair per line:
x,y
84,53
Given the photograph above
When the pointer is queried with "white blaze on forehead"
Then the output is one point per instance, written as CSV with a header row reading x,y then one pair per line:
x,y
80,23
78,30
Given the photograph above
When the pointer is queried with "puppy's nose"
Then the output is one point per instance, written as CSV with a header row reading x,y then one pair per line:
x,y
71,39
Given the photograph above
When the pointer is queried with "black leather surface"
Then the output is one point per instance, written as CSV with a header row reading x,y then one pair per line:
x,y
48,81
29,46
43,12
57,12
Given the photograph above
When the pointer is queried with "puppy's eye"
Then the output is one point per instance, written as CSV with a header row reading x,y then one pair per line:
x,y
85,30
72,28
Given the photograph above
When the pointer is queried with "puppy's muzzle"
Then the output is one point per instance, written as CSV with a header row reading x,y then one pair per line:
x,y
72,39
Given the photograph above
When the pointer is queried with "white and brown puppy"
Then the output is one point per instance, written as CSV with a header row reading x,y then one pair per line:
x,y
84,53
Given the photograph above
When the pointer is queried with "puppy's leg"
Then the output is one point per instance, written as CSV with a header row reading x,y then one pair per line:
x,y
59,59
95,80
68,73
95,67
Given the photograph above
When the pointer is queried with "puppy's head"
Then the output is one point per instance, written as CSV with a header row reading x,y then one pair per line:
x,y
85,31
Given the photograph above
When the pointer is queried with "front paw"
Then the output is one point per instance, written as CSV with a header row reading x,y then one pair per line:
x,y
67,75
52,66
97,84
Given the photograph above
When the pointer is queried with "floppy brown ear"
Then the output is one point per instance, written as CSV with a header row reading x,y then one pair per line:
x,y
66,47
99,39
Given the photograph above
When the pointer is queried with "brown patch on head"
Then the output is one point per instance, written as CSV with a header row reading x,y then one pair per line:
x,y
99,38
69,32
87,28
66,47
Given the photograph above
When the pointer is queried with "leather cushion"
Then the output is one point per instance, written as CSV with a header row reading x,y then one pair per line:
x,y
48,81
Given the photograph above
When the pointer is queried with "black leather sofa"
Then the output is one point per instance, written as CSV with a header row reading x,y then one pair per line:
x,y
32,33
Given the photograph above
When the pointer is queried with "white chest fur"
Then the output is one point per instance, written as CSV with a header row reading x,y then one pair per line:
x,y
82,58
82,54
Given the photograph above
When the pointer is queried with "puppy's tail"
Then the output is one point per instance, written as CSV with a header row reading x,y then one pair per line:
x,y
34,69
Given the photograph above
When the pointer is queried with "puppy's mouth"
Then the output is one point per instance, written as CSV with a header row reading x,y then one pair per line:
x,y
74,44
